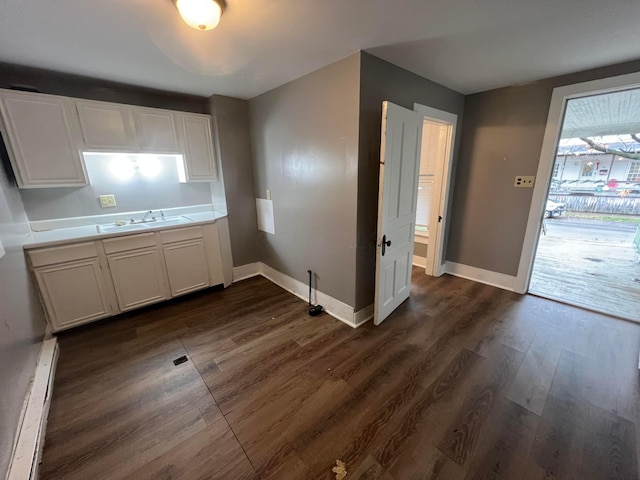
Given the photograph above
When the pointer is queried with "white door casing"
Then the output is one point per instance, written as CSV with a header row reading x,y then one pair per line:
x,y
555,118
397,198
441,188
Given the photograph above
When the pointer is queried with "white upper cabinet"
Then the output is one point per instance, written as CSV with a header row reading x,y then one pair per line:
x,y
156,130
43,139
106,127
200,161
45,136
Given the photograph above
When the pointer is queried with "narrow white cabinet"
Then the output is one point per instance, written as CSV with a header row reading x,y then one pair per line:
x,y
185,258
156,130
137,270
72,284
199,157
43,139
106,127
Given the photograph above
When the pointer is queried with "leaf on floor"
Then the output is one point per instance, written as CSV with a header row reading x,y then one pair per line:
x,y
340,470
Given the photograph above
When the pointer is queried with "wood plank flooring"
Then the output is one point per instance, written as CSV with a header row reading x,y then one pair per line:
x,y
464,381
592,271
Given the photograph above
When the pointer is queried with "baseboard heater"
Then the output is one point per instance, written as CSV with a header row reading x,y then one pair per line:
x,y
30,437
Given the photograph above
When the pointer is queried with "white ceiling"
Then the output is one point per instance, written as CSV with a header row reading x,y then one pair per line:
x,y
468,45
608,114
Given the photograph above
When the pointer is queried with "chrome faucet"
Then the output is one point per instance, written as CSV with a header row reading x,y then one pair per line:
x,y
145,219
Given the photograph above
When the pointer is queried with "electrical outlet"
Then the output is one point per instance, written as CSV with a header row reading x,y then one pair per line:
x,y
107,201
524,181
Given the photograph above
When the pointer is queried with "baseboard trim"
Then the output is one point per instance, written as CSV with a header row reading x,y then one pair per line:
x,y
334,307
419,261
363,316
28,448
246,271
495,279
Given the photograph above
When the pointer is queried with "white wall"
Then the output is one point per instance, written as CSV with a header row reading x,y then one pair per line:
x,y
22,323
133,194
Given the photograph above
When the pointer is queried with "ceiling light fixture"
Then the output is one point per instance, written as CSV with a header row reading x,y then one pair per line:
x,y
200,14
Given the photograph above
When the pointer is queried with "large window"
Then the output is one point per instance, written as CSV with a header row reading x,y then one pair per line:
x,y
634,171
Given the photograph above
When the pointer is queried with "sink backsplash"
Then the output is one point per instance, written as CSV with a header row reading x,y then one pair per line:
x,y
136,193
94,220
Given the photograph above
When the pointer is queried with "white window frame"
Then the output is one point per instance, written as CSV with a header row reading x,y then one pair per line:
x,y
548,153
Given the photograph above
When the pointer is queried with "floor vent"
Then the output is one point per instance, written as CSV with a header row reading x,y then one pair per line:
x,y
180,360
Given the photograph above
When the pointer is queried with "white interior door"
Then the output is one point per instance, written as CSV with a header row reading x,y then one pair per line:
x,y
397,200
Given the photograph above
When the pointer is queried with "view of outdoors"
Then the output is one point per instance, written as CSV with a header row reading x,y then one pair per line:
x,y
589,248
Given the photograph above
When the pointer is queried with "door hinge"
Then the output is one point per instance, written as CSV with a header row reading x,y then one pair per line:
x,y
439,218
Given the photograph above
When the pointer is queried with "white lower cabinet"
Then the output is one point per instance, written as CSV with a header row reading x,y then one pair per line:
x,y
185,268
73,286
138,277
83,282
186,260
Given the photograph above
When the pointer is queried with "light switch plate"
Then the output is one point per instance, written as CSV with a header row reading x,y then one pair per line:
x,y
523,181
107,201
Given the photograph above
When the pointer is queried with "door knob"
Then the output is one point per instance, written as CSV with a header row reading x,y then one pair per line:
x,y
385,243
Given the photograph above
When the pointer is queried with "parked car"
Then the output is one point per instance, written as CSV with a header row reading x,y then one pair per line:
x,y
553,209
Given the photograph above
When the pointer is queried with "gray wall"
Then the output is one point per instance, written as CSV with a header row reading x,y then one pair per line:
x,y
381,81
502,137
236,168
22,324
305,150
133,194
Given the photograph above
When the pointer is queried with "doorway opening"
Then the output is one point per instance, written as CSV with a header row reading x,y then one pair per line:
x,y
588,247
400,149
438,134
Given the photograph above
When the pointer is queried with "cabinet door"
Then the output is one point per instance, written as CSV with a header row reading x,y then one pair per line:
x,y
186,266
73,293
43,138
156,130
106,126
138,277
199,158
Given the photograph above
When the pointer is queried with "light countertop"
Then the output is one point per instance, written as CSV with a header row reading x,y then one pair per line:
x,y
90,232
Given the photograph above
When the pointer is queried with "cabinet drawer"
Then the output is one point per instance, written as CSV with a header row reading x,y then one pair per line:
x,y
67,253
180,234
131,242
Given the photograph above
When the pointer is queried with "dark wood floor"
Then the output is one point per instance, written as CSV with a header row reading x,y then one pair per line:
x,y
463,381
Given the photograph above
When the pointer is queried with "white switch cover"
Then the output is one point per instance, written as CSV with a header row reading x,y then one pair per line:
x,y
266,221
523,181
2,252
107,201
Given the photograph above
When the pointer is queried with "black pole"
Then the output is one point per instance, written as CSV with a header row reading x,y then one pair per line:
x,y
314,310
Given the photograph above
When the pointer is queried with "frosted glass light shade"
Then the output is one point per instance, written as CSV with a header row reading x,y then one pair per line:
x,y
200,14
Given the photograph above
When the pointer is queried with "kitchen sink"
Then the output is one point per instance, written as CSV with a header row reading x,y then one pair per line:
x,y
129,227
170,221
